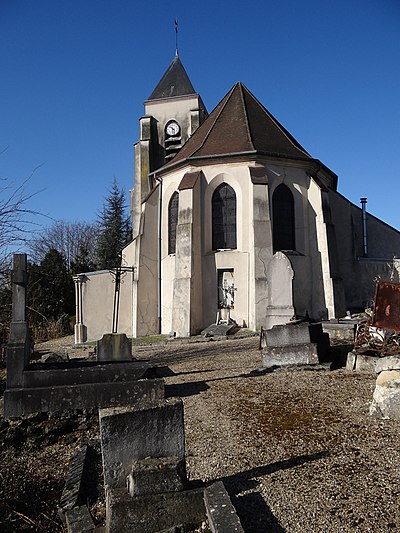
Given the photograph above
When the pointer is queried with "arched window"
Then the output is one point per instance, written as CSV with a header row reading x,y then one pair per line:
x,y
223,217
283,219
172,222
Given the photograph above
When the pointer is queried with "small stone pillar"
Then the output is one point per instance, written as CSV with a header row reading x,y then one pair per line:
x,y
18,348
80,328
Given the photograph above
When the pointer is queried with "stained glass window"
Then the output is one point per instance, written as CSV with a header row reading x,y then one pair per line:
x,y
224,217
283,219
172,222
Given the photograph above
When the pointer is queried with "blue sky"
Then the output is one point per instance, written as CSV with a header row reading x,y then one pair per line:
x,y
74,75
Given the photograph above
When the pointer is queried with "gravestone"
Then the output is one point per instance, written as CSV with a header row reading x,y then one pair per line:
x,y
294,344
280,291
134,433
114,347
219,330
66,386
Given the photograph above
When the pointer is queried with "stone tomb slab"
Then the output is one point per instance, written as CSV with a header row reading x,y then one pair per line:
x,y
297,354
292,334
153,513
219,330
295,344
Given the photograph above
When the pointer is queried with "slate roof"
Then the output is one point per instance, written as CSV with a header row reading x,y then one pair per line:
x,y
175,82
241,124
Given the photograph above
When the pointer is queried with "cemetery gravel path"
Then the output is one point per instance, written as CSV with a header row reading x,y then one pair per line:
x,y
296,449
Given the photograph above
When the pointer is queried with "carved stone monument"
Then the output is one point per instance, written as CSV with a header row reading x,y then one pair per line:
x,y
280,291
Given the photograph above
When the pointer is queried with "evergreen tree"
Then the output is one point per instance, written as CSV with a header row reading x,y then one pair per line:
x,y
115,229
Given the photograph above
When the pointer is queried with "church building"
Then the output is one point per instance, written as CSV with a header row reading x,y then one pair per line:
x,y
229,211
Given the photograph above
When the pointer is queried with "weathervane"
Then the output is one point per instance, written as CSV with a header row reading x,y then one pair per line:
x,y
176,36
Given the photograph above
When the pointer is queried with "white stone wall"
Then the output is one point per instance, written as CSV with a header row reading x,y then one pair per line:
x,y
97,304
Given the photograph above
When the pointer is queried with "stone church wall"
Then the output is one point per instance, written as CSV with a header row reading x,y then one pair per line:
x,y
360,273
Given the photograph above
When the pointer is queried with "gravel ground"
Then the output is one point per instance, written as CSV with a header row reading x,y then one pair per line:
x,y
296,448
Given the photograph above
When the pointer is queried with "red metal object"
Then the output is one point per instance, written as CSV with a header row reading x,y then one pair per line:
x,y
387,306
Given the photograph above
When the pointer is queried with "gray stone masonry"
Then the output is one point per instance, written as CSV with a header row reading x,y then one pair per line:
x,y
114,347
130,434
221,514
156,475
358,362
153,513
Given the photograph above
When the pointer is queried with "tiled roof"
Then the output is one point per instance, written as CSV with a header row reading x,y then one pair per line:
x,y
240,124
175,82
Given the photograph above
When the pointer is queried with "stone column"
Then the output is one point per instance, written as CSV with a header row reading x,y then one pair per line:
x,y
80,328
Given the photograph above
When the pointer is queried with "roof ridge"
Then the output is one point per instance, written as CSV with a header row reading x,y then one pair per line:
x,y
241,85
226,98
281,128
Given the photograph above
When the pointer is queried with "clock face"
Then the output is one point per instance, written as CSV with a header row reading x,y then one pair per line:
x,y
172,128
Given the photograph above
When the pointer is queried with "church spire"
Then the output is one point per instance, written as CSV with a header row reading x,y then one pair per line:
x,y
175,82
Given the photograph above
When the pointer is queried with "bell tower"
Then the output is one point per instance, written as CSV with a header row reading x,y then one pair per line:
x,y
173,112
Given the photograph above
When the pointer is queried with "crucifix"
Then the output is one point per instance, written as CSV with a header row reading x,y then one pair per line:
x,y
118,274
